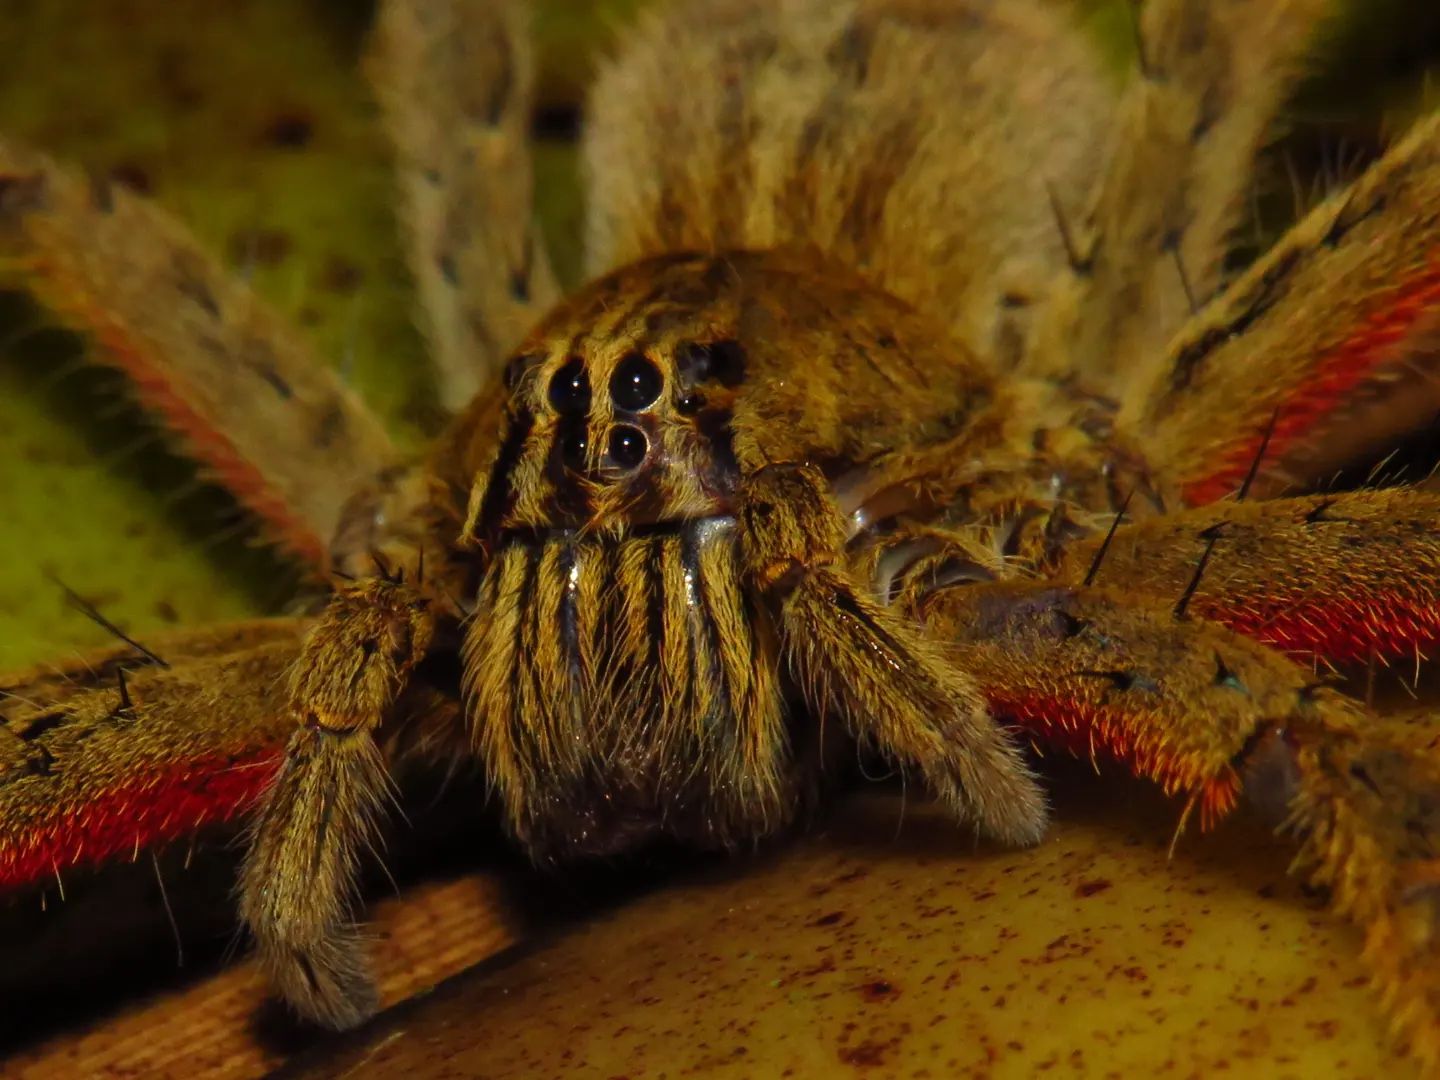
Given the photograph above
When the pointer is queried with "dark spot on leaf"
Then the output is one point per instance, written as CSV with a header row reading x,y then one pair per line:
x,y
133,176
22,193
289,131
259,247
341,275
867,1054
879,990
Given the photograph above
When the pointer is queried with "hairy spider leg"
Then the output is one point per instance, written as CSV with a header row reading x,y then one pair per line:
x,y
298,882
1335,578
111,755
1112,674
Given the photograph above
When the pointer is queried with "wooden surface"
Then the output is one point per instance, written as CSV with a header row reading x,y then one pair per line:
x,y
882,948
216,1030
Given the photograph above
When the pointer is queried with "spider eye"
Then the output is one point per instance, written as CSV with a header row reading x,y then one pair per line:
x,y
635,384
628,446
570,389
574,445
722,361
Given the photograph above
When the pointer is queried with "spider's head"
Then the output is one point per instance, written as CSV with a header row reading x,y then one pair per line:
x,y
619,407
641,400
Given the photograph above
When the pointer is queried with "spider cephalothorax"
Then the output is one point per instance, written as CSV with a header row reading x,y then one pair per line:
x,y
659,488
876,434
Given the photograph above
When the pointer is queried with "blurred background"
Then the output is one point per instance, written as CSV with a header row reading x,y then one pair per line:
x,y
250,120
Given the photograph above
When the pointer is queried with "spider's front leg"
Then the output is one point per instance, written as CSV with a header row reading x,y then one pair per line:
x,y
298,881
855,656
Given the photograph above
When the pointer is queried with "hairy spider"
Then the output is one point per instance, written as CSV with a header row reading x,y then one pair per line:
x,y
910,407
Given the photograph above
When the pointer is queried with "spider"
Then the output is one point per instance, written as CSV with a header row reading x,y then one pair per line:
x,y
910,406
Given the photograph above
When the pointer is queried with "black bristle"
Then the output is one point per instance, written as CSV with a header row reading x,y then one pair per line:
x,y
1184,278
1211,535
1259,456
1105,544
80,604
1077,263
126,705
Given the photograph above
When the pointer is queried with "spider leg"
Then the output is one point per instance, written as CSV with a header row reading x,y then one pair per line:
x,y
243,396
1150,246
1367,810
1105,672
1332,332
1102,672
853,655
1338,578
298,881
455,80
113,754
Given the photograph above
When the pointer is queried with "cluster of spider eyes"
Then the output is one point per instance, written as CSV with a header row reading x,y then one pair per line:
x,y
635,385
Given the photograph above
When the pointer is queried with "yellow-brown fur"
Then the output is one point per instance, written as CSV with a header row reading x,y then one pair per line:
x,y
826,453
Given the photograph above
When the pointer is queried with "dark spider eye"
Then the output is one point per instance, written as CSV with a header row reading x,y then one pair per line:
x,y
691,403
727,362
570,389
574,445
635,384
627,446
722,361
692,362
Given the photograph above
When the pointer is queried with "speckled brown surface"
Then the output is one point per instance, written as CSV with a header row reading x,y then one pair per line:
x,y
860,951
